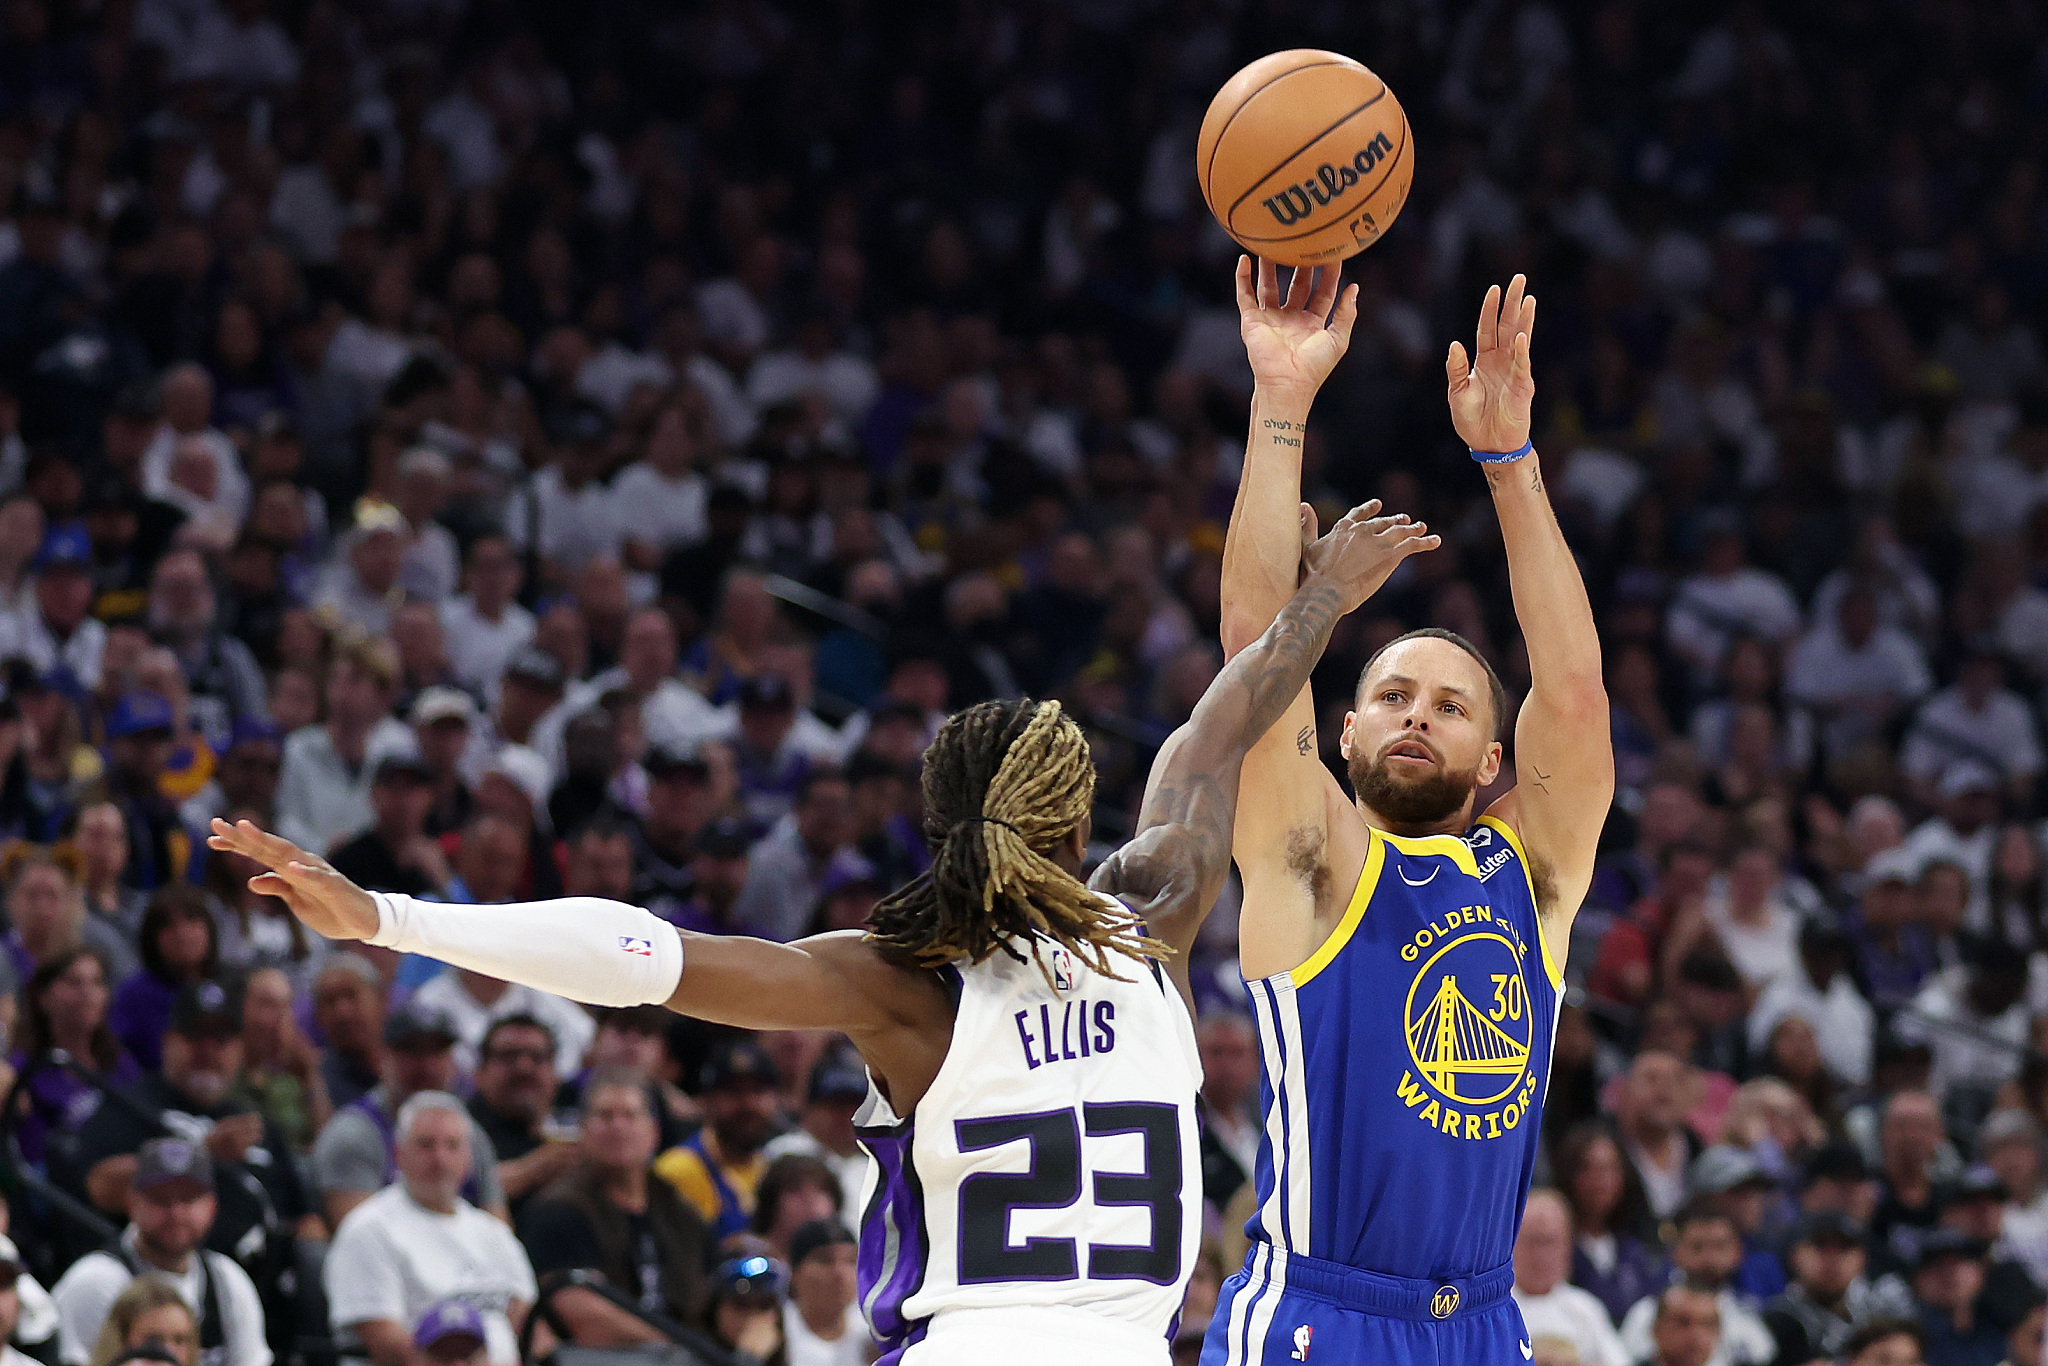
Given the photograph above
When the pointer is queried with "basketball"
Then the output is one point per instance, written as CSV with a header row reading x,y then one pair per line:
x,y
1305,157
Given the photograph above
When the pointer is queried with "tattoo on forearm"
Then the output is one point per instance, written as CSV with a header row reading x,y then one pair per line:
x,y
1305,740
1535,479
1279,428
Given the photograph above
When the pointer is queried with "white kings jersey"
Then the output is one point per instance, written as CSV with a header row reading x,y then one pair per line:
x,y
1054,1165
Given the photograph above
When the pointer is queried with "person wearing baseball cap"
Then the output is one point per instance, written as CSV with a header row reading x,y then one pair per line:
x,y
172,1207
680,804
1828,1295
202,1057
450,1333
720,1166
395,854
838,1086
821,1321
60,633
746,1313
1948,1283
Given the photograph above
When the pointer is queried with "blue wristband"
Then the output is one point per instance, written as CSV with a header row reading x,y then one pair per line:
x,y
1491,458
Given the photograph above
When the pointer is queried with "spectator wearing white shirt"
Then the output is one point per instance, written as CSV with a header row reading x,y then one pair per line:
x,y
1856,673
1977,717
814,368
2010,1144
418,1242
1818,989
485,628
1752,918
323,789
238,44
1906,596
821,1321
1552,1306
1727,598
54,631
661,497
566,514
1705,1257
1963,831
186,397
431,562
1974,1018
359,588
171,1210
670,712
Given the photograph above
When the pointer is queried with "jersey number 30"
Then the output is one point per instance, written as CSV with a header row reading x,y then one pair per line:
x,y
1053,1181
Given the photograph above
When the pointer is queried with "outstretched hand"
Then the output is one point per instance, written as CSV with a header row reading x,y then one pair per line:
x,y
1294,340
1490,395
1359,553
327,902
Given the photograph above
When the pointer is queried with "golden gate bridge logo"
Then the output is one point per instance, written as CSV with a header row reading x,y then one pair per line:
x,y
1471,1053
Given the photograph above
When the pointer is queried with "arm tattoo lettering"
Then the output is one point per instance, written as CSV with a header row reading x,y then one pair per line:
x,y
1305,740
1280,428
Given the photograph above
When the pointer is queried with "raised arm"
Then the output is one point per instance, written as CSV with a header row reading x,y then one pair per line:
x,y
1173,869
1564,755
1293,341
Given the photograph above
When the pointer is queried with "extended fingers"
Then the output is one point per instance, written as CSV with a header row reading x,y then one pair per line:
x,y
1269,284
1345,315
1247,288
1300,285
1511,309
1457,368
1329,280
1488,333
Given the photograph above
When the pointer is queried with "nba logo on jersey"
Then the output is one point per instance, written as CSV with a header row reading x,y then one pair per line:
x,y
1302,1337
1062,970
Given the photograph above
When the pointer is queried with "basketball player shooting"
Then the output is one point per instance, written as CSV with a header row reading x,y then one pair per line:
x,y
1037,1183
1404,960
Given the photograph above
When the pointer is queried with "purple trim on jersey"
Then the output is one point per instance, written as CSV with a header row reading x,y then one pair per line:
x,y
895,1354
888,1277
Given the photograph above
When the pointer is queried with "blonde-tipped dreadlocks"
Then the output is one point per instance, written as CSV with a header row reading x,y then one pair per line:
x,y
1004,783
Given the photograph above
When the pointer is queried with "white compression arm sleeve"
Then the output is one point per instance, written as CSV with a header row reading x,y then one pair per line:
x,y
602,953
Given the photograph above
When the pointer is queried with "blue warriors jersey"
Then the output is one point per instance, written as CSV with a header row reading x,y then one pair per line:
x,y
1404,1064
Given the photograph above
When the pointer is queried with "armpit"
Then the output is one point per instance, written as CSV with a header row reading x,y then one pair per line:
x,y
1305,847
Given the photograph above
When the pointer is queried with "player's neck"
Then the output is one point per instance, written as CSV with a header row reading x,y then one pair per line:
x,y
1457,823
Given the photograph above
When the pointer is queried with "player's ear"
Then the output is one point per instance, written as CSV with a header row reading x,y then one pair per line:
x,y
1489,767
1077,838
1344,740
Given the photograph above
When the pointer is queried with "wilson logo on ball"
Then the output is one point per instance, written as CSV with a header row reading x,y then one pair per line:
x,y
1329,184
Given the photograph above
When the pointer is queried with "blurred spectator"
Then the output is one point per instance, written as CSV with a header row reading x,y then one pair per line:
x,y
54,632
1613,1254
180,946
356,1154
1948,1278
516,1083
193,1098
171,1210
1829,1298
485,627
719,1168
746,1308
1230,1078
822,1323
838,1088
607,1213
1685,1331
348,1011
323,790
280,1074
787,868
395,853
1705,1255
148,1322
1650,1115
418,1241
1550,1305
793,1191
1818,990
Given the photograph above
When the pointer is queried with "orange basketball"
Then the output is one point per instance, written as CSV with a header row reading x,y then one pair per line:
x,y
1305,157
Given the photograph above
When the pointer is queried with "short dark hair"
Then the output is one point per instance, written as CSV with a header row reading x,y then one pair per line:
x,y
1681,1286
1496,691
1702,1209
1876,1331
787,1173
519,1021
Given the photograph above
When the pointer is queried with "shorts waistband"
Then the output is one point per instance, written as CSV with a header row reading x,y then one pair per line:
x,y
1398,1297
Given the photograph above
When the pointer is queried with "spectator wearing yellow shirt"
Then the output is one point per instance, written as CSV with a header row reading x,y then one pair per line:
x,y
718,1169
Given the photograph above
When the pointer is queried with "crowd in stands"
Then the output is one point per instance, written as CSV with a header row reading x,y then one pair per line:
x,y
522,449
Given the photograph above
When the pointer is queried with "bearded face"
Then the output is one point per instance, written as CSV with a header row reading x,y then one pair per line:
x,y
1408,784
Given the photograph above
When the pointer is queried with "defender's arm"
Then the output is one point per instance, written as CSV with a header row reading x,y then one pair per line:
x,y
1564,755
1172,871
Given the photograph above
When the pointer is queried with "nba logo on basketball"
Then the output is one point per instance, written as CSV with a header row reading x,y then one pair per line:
x,y
1062,970
1302,1336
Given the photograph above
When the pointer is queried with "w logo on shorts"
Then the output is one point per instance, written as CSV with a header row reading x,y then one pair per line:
x,y
633,944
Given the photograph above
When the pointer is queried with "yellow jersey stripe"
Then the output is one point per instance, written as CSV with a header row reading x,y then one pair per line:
x,y
1551,968
1361,896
